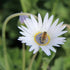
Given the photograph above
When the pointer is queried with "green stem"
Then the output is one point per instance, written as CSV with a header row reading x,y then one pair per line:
x,y
30,66
23,5
3,36
51,59
23,65
46,62
39,59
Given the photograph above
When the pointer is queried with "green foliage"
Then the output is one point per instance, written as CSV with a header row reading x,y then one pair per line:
x,y
62,63
58,64
2,64
62,11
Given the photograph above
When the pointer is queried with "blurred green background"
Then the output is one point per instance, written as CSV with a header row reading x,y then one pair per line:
x,y
60,9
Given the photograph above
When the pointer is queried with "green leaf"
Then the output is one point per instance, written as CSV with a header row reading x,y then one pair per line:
x,y
66,46
47,5
58,64
62,63
47,60
39,60
67,63
62,11
16,58
28,56
2,64
26,5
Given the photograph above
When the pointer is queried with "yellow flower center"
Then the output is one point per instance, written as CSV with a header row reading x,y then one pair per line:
x,y
42,39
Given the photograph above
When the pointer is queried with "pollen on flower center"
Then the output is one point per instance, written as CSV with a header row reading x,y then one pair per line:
x,y
38,37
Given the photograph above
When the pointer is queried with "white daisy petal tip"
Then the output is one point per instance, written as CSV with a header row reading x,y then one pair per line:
x,y
32,16
57,46
51,17
21,32
54,50
19,27
65,25
30,50
66,31
39,14
48,54
19,39
57,20
34,52
47,14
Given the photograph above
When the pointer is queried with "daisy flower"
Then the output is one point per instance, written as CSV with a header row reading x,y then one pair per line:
x,y
44,35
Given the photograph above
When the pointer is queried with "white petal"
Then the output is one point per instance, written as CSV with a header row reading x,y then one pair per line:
x,y
26,34
51,48
57,45
40,20
57,41
45,18
50,20
60,24
20,28
31,26
62,33
54,24
24,29
56,31
35,48
34,21
31,49
20,38
46,50
63,27
45,22
26,23
48,24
